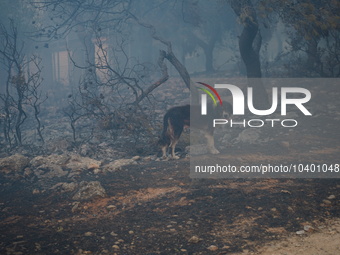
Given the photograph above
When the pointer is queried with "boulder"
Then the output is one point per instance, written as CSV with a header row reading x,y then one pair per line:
x,y
119,163
249,136
89,190
78,163
14,163
59,165
50,166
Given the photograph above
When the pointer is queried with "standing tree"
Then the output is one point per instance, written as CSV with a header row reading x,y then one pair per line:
x,y
313,29
250,42
207,27
92,18
21,88
250,39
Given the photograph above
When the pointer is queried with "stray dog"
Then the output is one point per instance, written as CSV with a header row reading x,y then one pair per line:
x,y
179,117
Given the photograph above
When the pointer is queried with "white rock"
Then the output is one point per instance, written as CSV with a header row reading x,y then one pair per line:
x,y
194,239
331,197
212,248
300,232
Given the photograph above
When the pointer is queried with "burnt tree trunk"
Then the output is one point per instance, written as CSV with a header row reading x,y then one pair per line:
x,y
170,56
208,51
89,58
250,44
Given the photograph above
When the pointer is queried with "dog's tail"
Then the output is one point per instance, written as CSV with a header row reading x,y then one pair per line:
x,y
165,138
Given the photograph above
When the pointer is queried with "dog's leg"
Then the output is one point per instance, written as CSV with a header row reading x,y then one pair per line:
x,y
210,143
164,150
177,131
166,136
173,146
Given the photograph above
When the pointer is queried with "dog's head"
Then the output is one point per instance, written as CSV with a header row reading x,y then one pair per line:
x,y
224,111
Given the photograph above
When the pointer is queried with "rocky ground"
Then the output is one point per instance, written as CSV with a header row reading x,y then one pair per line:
x,y
99,198
73,205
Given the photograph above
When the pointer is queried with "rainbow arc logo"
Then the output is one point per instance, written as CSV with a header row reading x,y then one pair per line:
x,y
204,97
210,94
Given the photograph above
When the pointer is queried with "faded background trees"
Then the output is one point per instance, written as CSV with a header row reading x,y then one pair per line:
x,y
105,64
20,94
